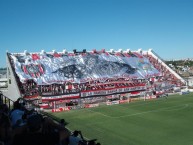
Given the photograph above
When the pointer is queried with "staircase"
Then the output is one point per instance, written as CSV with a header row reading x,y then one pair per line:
x,y
167,73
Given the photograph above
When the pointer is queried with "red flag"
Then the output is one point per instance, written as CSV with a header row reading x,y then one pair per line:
x,y
35,56
56,55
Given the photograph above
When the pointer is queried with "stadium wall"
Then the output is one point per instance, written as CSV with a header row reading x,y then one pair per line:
x,y
13,90
153,54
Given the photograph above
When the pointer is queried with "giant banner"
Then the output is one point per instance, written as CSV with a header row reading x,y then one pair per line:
x,y
46,68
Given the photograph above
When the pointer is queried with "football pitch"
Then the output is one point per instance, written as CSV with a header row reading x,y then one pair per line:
x,y
151,122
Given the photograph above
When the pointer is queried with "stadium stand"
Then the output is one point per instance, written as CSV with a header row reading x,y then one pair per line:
x,y
66,80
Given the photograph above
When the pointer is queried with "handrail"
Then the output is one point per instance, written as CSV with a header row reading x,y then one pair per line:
x,y
6,100
154,55
12,70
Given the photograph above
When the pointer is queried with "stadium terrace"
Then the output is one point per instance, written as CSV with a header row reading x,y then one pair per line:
x,y
64,80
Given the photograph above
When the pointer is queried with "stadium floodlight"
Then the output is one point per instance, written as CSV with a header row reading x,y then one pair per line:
x,y
25,52
120,50
112,51
150,49
103,50
140,50
128,51
65,51
54,51
74,51
94,51
84,51
43,52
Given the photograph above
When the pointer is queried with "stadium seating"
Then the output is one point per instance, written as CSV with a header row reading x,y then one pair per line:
x,y
68,90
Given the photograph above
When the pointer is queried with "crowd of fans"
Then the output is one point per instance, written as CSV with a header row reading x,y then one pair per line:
x,y
166,74
30,89
21,126
59,89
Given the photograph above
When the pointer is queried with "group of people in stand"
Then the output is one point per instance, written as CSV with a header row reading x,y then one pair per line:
x,y
167,75
23,126
30,88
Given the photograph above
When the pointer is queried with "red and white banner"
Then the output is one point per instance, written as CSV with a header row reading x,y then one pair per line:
x,y
31,97
111,91
49,68
124,101
112,102
150,97
55,98
91,105
61,109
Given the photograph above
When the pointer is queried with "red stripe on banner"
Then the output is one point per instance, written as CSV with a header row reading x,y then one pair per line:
x,y
25,69
41,69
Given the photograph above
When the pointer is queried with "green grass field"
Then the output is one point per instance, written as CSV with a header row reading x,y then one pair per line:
x,y
152,122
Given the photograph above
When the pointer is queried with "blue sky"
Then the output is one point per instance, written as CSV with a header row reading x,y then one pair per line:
x,y
35,25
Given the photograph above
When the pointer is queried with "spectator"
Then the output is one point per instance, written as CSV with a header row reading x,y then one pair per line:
x,y
63,122
17,113
75,139
36,136
92,142
4,109
5,129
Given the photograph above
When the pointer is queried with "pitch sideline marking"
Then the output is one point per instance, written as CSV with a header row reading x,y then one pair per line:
x,y
161,109
158,110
